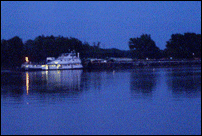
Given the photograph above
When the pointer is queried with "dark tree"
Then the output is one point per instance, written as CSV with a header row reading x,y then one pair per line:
x,y
12,52
184,46
144,47
29,49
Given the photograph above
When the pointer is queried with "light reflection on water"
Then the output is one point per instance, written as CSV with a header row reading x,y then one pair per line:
x,y
137,101
54,81
50,84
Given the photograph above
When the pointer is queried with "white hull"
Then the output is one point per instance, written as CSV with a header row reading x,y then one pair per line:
x,y
61,67
50,67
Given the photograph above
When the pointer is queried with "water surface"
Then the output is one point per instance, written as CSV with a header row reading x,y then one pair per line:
x,y
138,101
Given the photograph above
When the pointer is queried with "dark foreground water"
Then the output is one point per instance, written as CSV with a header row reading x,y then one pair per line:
x,y
138,101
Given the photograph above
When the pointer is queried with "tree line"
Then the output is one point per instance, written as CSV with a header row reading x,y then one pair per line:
x,y
179,46
13,51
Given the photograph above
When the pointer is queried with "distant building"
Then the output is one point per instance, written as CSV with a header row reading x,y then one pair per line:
x,y
95,60
123,60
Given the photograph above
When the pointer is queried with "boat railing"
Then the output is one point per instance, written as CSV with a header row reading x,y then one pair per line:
x,y
34,63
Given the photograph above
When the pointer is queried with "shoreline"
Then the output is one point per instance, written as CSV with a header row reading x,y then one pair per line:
x,y
140,63
126,65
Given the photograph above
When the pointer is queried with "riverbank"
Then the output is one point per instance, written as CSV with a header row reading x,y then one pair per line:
x,y
99,65
138,63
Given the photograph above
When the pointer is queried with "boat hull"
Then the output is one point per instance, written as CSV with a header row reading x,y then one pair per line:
x,y
46,67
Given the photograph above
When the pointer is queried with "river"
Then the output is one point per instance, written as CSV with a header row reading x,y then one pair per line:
x,y
141,101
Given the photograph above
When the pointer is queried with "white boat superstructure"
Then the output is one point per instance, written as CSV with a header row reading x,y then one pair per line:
x,y
64,61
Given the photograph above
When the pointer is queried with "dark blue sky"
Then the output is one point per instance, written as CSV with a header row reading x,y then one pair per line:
x,y
112,23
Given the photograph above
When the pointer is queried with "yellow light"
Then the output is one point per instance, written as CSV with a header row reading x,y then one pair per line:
x,y
26,58
46,67
27,82
58,66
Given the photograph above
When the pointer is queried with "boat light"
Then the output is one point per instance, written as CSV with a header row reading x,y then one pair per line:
x,y
26,58
58,66
46,67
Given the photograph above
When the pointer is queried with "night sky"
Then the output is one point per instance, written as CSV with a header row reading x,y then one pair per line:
x,y
112,23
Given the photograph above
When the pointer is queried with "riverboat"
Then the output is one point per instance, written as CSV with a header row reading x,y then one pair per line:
x,y
64,61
